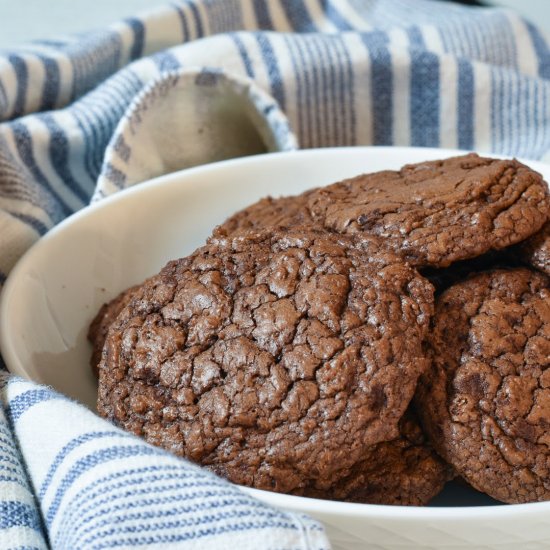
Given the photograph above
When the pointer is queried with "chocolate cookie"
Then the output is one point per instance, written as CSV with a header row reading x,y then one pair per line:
x,y
274,359
536,250
269,212
486,401
443,278
103,320
404,471
435,213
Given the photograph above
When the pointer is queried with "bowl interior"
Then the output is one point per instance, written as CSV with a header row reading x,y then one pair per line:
x,y
56,289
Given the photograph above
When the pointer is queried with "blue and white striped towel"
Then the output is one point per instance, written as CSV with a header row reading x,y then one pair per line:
x,y
198,81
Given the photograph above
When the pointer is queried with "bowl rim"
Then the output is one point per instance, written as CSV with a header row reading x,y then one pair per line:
x,y
303,504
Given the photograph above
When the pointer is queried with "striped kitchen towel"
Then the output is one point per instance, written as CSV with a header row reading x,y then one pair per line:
x,y
89,485
85,116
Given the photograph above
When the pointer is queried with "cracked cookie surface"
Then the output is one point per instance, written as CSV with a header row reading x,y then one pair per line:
x,y
404,471
485,403
275,360
269,212
97,332
438,212
536,250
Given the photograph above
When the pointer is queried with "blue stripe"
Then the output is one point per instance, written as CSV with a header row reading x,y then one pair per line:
x,y
16,477
514,133
11,460
416,40
15,471
537,140
90,138
166,61
504,123
169,538
305,105
327,92
56,207
381,86
298,15
50,92
114,175
263,17
531,94
94,59
424,93
90,461
465,105
138,30
196,17
14,186
20,481
123,150
104,486
3,101
141,487
545,136
102,112
107,108
496,102
238,519
154,506
98,114
314,116
512,127
151,474
183,22
472,41
341,114
335,16
223,17
333,61
39,226
22,79
73,444
244,54
507,123
273,71
59,150
17,514
5,430
150,511
347,87
506,30
24,401
541,49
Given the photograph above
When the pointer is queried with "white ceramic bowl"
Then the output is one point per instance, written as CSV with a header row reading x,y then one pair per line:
x,y
56,289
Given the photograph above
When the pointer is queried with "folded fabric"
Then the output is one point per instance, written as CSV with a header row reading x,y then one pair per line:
x,y
196,82
99,487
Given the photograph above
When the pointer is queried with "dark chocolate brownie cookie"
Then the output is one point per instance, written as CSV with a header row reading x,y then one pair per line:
x,y
404,471
269,212
103,320
275,359
435,213
485,404
443,278
536,250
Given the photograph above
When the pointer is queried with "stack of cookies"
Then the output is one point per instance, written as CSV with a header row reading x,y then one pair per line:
x,y
366,341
